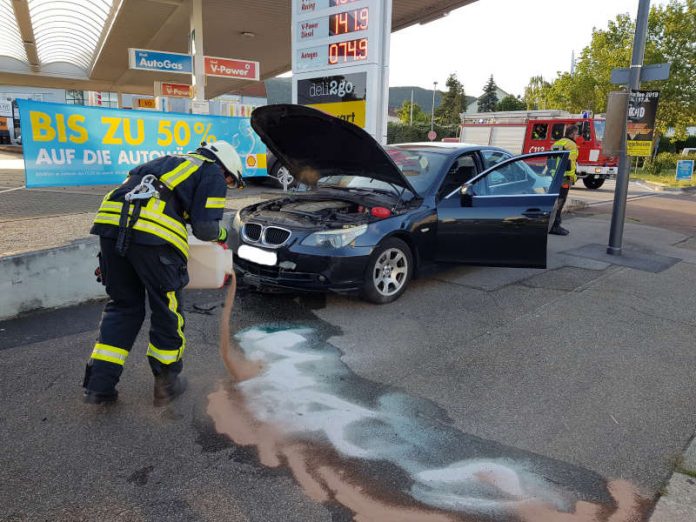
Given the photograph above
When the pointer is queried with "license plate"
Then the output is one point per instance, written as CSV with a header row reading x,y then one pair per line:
x,y
257,255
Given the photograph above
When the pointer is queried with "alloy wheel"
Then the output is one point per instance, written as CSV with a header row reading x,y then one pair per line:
x,y
390,272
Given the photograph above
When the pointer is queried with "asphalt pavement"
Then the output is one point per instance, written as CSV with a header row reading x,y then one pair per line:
x,y
482,394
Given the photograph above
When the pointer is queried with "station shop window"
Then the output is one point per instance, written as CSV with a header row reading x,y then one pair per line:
x,y
73,97
109,99
539,131
557,131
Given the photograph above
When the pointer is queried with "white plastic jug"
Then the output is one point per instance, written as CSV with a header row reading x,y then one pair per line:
x,y
208,264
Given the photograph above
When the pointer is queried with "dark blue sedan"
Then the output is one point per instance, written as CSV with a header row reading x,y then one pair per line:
x,y
377,215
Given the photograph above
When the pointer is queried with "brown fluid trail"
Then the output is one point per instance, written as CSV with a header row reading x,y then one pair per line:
x,y
325,476
237,364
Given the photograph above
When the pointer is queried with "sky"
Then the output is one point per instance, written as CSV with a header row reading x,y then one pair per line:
x,y
511,39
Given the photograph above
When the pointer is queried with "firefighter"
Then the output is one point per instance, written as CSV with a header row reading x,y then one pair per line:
x,y
566,143
143,251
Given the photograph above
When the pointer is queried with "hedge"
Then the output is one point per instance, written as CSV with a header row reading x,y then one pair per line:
x,y
400,133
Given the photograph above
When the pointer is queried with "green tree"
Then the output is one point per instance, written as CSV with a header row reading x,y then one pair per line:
x,y
453,102
511,103
671,30
535,93
404,113
489,99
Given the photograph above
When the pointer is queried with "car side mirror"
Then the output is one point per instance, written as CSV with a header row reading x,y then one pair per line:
x,y
466,194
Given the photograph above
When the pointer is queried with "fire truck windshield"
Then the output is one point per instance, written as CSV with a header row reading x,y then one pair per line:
x,y
599,126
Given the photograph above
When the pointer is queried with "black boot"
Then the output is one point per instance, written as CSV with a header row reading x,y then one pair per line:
x,y
92,397
558,230
98,391
168,389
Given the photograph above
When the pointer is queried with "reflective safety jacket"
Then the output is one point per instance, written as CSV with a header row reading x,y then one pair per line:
x,y
569,145
193,192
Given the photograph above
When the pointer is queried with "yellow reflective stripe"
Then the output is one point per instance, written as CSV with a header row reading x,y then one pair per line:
x,y
173,306
156,205
161,232
215,203
108,353
163,356
108,195
150,228
161,219
180,167
177,176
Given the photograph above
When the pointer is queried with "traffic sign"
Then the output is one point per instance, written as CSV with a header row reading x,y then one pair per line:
x,y
231,68
685,170
432,135
147,60
648,73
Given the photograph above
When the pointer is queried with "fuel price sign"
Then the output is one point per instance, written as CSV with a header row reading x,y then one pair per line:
x,y
338,39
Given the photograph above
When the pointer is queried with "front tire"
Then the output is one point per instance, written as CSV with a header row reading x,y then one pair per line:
x,y
388,272
593,183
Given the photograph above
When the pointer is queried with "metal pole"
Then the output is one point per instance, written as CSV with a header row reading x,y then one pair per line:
x,y
432,109
618,215
196,42
410,116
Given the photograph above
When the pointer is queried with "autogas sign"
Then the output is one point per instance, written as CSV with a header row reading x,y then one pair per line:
x,y
147,60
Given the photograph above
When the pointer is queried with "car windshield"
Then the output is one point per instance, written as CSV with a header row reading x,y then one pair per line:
x,y
599,126
419,167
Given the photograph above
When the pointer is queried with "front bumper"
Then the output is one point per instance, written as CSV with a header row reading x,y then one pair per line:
x,y
305,268
596,172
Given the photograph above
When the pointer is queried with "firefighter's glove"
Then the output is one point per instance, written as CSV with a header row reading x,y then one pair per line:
x,y
222,236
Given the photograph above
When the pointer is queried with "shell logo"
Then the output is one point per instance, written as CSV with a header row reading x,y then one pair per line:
x,y
251,161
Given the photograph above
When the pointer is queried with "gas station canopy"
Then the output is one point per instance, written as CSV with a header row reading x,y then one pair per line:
x,y
83,44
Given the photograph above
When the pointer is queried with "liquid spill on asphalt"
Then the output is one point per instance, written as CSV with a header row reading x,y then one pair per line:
x,y
383,454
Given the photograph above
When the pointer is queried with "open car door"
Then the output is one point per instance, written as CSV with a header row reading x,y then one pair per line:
x,y
502,216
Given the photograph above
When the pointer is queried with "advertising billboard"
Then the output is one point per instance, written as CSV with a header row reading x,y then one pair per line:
x,y
68,145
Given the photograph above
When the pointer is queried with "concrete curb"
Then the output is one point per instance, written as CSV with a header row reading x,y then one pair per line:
x,y
574,204
657,187
53,278
50,278
678,502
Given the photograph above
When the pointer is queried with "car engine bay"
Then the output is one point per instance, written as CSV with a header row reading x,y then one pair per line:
x,y
316,211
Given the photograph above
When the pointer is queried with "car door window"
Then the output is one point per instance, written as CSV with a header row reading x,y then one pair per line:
x,y
493,157
462,170
527,175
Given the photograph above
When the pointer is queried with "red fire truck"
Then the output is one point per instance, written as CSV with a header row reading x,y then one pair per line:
x,y
522,132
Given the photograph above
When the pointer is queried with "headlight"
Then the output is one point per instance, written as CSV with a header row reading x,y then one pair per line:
x,y
334,238
237,221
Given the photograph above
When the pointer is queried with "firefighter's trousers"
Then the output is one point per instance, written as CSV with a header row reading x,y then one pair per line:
x,y
158,272
562,197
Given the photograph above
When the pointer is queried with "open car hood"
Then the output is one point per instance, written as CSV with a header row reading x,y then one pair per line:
x,y
302,138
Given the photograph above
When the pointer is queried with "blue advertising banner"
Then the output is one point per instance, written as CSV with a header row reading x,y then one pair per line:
x,y
68,145
685,170
146,60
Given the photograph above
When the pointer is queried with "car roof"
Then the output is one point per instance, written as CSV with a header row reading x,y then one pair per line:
x,y
450,148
